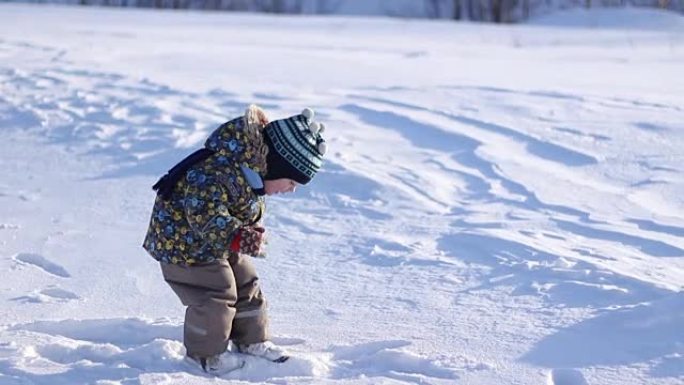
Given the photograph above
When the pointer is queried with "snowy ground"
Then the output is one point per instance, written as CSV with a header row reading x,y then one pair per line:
x,y
501,204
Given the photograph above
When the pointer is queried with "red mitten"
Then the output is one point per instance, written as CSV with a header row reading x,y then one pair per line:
x,y
248,240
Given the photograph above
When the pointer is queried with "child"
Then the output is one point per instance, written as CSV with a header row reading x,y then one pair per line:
x,y
207,222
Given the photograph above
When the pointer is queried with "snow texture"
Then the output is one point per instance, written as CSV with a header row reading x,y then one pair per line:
x,y
499,204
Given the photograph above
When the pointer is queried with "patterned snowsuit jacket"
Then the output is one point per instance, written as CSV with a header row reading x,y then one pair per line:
x,y
214,199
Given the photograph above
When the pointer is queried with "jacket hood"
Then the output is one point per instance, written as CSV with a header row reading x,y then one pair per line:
x,y
241,140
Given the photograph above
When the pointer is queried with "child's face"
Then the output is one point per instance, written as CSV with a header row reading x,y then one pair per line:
x,y
279,186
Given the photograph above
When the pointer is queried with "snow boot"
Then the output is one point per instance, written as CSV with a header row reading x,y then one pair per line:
x,y
267,350
219,364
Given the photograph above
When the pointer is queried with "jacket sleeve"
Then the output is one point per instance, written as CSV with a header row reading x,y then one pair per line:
x,y
207,208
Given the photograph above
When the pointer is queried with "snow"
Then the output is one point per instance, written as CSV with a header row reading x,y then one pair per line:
x,y
499,204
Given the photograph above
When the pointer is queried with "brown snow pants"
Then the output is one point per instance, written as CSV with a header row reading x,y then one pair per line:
x,y
224,302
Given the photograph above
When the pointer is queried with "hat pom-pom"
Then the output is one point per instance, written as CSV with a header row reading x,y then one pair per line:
x,y
308,113
322,148
315,127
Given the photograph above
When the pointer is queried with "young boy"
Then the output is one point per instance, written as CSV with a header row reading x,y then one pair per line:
x,y
207,222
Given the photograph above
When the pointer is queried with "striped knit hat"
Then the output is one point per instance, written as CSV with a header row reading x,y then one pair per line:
x,y
295,146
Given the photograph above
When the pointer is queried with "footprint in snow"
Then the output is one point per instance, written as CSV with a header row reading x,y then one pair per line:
x,y
566,377
42,263
48,295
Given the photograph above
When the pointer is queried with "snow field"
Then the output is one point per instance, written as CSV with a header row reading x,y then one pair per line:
x,y
470,226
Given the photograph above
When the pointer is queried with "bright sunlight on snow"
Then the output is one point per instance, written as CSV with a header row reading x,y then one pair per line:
x,y
498,205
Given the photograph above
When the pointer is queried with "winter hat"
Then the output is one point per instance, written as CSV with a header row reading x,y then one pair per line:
x,y
295,147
